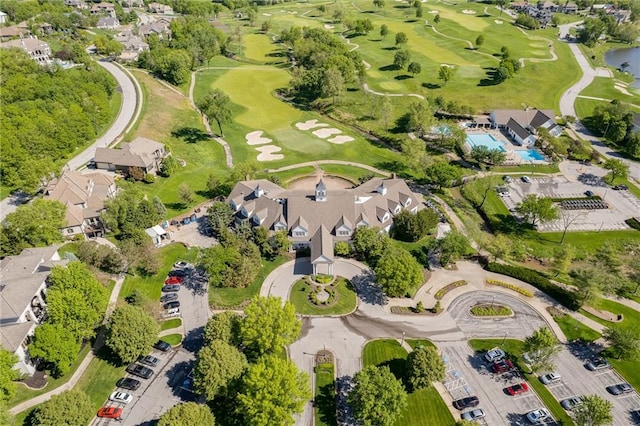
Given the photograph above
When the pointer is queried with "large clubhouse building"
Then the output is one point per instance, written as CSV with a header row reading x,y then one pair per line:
x,y
320,218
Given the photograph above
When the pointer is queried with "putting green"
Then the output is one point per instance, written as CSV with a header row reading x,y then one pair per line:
x,y
471,22
391,85
257,47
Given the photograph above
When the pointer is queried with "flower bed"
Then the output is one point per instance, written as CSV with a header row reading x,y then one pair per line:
x,y
510,286
485,310
313,296
446,289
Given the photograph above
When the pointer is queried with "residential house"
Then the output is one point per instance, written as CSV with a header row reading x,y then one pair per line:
x,y
522,125
133,45
103,8
23,304
132,3
108,23
78,4
570,7
141,153
318,219
3,17
84,196
621,16
13,31
548,6
160,27
38,50
160,8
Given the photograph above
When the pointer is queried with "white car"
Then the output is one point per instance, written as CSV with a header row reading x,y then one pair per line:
x,y
495,354
473,415
536,416
549,378
526,179
121,397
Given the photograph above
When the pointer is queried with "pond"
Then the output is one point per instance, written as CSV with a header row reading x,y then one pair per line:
x,y
631,56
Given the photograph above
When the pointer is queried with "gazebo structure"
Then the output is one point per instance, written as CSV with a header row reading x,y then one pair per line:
x,y
322,250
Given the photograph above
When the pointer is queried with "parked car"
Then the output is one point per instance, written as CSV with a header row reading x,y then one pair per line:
x,y
536,416
494,354
121,397
181,264
170,288
569,403
128,383
619,389
597,364
473,415
507,178
140,371
172,305
621,187
468,402
110,412
173,280
149,360
172,311
169,297
177,273
526,179
549,378
162,346
517,389
589,193
502,366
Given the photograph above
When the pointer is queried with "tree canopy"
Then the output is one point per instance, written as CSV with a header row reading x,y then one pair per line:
x,y
130,211
369,244
187,414
32,225
55,344
216,365
216,105
398,272
131,332
623,342
7,374
224,326
537,209
70,408
409,226
593,410
542,347
425,366
272,390
269,325
377,397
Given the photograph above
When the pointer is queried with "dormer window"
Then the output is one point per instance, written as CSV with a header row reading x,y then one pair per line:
x,y
385,217
397,209
408,202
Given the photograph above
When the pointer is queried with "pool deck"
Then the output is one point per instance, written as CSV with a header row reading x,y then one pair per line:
x,y
513,159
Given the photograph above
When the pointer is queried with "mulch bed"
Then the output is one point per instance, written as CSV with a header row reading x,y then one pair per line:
x,y
37,381
408,310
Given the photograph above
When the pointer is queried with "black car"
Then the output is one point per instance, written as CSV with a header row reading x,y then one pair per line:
x,y
149,360
619,389
621,187
468,402
140,371
172,305
177,273
128,383
162,346
169,297
171,288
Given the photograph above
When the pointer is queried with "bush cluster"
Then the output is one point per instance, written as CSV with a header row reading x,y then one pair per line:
x,y
489,311
446,289
566,297
633,223
313,296
510,287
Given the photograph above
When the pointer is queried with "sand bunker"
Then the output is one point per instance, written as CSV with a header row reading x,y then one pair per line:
x,y
469,12
310,124
339,140
447,65
433,11
255,138
499,22
266,14
328,27
621,88
267,153
325,133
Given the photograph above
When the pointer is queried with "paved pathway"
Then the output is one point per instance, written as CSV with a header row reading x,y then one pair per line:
x,y
344,163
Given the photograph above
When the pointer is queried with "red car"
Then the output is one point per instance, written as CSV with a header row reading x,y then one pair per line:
x,y
502,366
517,389
173,280
110,412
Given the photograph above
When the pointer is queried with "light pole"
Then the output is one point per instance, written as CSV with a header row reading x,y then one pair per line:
x,y
493,300
402,343
506,333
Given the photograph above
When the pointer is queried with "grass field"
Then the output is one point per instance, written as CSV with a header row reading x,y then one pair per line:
x,y
574,329
173,339
169,324
325,395
603,87
99,380
425,407
631,316
345,294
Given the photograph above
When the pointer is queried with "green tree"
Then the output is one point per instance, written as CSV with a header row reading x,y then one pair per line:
x,y
384,31
419,117
377,398
536,209
32,225
442,174
379,4
386,111
281,242
5,417
185,194
187,414
272,390
591,30
452,247
217,364
446,73
57,345
414,68
8,374
618,169
419,12
483,154
269,325
169,166
401,58
266,26
342,248
479,41
70,408
543,347
624,342
173,65
499,247
369,244
131,332
397,272
332,83
593,410
219,216
562,259
401,38
409,226
587,281
425,366
224,326
216,106
129,213
436,19
477,190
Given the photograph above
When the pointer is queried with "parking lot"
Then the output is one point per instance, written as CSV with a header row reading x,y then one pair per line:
x,y
622,204
468,374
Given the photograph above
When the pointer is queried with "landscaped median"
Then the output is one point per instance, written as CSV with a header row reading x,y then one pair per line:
x,y
309,298
510,286
325,395
449,287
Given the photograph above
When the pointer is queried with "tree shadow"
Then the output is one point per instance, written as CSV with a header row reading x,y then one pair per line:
x,y
491,79
193,340
325,401
368,290
585,351
402,6
190,134
388,68
390,48
106,354
403,77
411,20
176,376
591,179
175,206
431,85
392,166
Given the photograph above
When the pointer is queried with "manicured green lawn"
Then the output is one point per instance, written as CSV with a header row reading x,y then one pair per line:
x,y
348,172
151,287
574,329
325,395
169,324
527,168
631,316
220,297
345,294
288,176
258,46
99,380
603,87
425,407
172,339
418,343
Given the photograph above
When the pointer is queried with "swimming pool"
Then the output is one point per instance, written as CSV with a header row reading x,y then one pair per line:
x,y
484,139
530,155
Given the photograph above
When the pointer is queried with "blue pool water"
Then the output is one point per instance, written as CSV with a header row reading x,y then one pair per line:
x,y
485,139
530,155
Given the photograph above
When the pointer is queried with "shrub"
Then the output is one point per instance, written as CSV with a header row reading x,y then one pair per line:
x,y
536,279
446,289
510,287
634,223
420,307
491,311
437,307
149,178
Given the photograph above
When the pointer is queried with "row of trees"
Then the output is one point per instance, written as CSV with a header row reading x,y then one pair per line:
x,y
594,28
614,122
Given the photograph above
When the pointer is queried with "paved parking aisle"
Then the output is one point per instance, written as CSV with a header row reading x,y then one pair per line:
x,y
468,375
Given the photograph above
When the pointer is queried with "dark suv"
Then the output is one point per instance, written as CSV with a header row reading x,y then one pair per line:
x,y
468,402
140,371
128,383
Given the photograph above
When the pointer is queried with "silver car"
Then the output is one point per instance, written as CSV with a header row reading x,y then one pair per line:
x,y
570,403
474,414
550,378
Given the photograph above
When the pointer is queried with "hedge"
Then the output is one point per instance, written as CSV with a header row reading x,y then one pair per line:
x,y
446,289
510,286
488,311
566,297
